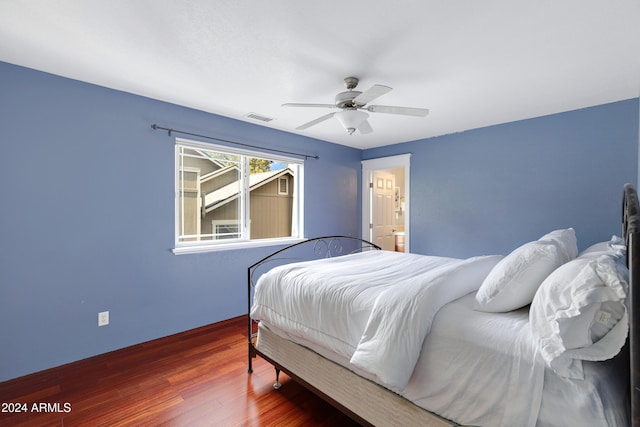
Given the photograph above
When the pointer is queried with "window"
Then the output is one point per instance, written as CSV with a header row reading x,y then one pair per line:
x,y
283,185
228,198
225,229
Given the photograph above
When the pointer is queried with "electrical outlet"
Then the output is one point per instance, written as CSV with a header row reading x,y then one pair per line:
x,y
103,318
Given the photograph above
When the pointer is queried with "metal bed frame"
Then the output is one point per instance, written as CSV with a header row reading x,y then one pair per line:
x,y
330,246
631,234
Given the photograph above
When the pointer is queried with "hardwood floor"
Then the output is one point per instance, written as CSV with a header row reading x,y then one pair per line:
x,y
196,378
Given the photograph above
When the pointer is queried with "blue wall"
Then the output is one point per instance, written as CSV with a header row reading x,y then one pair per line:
x,y
87,220
489,190
87,190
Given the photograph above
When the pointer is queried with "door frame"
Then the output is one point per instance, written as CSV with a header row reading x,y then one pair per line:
x,y
368,166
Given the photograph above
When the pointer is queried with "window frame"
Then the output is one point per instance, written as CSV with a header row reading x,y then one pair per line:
x,y
244,221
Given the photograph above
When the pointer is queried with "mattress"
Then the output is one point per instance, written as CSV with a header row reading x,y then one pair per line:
x,y
355,394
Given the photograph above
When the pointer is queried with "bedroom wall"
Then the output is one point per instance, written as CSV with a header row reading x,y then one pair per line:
x,y
489,190
87,220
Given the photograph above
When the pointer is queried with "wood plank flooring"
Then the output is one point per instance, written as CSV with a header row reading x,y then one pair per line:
x,y
196,378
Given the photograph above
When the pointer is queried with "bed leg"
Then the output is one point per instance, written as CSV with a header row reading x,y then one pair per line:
x,y
252,355
277,385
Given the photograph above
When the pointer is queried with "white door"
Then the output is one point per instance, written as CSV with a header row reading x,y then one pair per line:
x,y
371,166
383,202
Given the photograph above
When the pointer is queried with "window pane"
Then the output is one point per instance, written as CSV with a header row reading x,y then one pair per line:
x,y
210,184
271,209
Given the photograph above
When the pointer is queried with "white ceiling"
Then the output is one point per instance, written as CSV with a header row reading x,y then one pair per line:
x,y
472,63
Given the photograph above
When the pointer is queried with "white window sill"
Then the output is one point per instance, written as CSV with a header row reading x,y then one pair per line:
x,y
195,249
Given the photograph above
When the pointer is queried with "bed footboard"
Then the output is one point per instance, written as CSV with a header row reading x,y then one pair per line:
x,y
307,250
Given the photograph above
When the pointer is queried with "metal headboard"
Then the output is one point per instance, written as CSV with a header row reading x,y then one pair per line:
x,y
630,230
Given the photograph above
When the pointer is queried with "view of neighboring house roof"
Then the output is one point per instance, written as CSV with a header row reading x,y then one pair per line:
x,y
229,192
217,173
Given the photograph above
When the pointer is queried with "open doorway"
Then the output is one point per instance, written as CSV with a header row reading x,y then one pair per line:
x,y
385,202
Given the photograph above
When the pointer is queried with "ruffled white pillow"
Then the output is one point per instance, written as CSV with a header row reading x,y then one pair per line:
x,y
615,248
579,314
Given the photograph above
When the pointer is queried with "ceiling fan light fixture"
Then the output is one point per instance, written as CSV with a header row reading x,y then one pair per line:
x,y
351,119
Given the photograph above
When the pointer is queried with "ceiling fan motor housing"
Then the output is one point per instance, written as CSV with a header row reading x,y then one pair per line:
x,y
345,99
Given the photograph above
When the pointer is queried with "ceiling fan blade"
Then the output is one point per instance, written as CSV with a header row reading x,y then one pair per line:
x,y
297,104
406,111
365,127
370,94
316,121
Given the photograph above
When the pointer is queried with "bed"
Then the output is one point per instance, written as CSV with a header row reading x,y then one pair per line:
x,y
543,336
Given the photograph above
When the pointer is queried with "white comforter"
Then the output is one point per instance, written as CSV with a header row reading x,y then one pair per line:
x,y
480,368
375,307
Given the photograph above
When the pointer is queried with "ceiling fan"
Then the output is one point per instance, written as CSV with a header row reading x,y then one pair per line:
x,y
352,103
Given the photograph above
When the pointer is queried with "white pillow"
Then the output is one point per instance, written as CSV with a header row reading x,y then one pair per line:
x,y
579,314
567,241
615,248
513,282
596,248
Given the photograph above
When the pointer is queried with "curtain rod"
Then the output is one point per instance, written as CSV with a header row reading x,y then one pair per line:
x,y
169,131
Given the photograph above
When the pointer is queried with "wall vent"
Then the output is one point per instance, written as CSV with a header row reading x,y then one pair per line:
x,y
256,116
